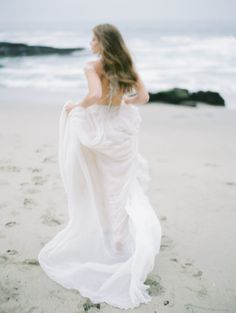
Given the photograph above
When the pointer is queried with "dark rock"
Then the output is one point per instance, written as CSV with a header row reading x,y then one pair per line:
x,y
208,97
184,97
175,95
8,49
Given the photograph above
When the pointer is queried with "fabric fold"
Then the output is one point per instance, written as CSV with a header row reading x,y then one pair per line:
x,y
113,234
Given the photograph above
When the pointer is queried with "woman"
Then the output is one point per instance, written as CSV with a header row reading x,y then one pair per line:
x,y
112,237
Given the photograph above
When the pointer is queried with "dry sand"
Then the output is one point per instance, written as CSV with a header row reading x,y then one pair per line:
x,y
191,154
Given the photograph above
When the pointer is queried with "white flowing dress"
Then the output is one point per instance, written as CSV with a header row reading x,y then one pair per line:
x,y
113,235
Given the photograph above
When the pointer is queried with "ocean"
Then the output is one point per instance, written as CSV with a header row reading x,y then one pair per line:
x,y
195,55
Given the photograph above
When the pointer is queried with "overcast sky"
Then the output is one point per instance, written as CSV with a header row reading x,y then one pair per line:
x,y
111,10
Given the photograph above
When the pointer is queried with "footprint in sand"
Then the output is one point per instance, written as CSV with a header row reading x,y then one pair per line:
x,y
38,180
50,159
31,262
211,164
10,168
198,274
230,183
12,252
7,293
202,292
163,218
196,308
50,220
28,203
38,150
155,288
35,169
41,149
10,224
166,242
188,267
88,305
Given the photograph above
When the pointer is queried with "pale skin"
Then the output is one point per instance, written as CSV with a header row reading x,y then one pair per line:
x,y
95,87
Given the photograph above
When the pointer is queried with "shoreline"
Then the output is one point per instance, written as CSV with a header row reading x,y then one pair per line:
x,y
23,96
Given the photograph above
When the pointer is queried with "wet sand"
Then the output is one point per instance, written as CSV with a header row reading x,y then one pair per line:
x,y
191,154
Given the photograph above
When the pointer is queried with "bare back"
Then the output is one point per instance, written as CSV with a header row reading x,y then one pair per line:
x,y
110,95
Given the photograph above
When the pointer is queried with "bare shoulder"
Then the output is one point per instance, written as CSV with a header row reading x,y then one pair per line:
x,y
94,65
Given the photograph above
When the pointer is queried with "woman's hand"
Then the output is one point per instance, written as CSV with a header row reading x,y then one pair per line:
x,y
127,100
70,106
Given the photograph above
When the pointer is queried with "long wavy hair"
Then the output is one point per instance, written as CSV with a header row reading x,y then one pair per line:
x,y
117,64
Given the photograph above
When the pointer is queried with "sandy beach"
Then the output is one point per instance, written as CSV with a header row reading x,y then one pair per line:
x,y
191,154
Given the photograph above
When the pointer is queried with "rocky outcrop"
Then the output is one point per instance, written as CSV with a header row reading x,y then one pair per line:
x,y
184,97
207,97
8,49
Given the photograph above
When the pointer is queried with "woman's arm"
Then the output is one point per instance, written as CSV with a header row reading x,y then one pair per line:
x,y
94,86
142,95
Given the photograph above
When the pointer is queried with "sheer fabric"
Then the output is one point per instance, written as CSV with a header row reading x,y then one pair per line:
x,y
113,234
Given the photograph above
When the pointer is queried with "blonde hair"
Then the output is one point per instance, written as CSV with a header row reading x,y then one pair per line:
x,y
117,63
